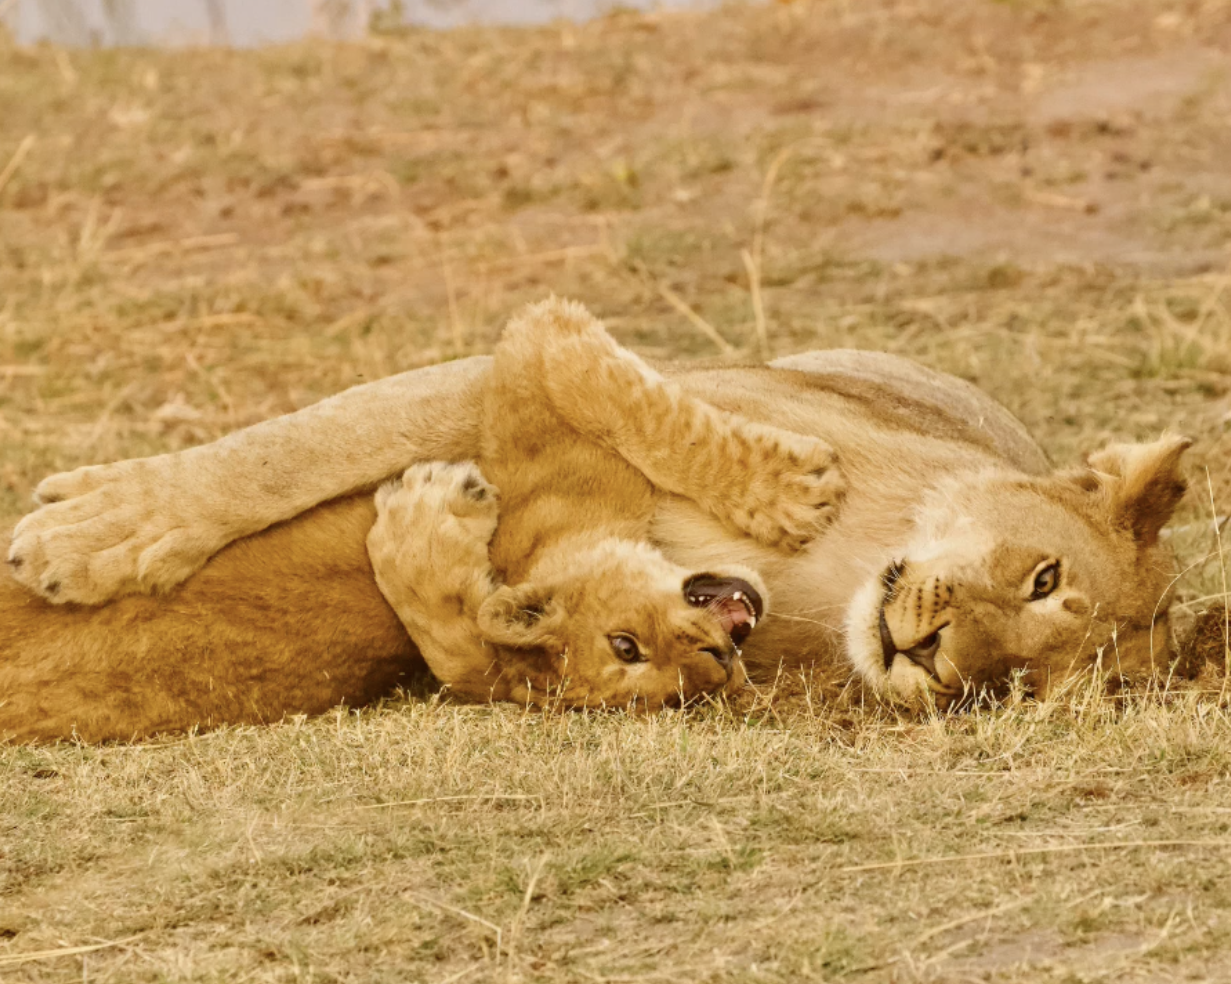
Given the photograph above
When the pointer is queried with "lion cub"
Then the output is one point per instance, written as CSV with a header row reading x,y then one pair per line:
x,y
564,600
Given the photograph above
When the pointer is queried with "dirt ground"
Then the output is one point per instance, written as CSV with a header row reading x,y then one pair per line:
x,y
1033,195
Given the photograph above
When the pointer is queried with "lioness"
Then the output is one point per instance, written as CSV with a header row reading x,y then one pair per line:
x,y
591,614
958,557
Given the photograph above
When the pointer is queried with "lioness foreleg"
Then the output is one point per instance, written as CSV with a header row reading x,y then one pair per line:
x,y
145,525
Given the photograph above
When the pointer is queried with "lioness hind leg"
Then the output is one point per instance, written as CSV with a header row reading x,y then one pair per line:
x,y
779,487
428,549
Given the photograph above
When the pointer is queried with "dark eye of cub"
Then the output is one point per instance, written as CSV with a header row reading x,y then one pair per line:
x,y
1045,581
626,647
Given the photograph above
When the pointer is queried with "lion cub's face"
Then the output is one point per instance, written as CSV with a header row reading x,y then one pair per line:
x,y
1046,577
618,625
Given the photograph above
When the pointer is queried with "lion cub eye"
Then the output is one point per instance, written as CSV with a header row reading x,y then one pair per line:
x,y
1046,580
626,647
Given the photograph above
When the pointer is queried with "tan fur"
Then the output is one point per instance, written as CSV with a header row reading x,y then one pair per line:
x,y
921,453
969,573
545,641
573,518
287,621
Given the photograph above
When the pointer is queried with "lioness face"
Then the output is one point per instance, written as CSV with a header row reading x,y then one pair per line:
x,y
620,626
1042,577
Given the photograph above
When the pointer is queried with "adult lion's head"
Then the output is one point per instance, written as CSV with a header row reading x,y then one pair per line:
x,y
617,625
1038,576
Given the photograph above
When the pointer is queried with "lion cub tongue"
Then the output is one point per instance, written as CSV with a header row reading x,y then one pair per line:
x,y
733,601
735,618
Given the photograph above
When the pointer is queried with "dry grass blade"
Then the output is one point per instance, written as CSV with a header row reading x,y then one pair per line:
x,y
1022,851
454,910
17,959
973,917
14,163
535,872
754,258
698,322
1226,593
753,269
485,797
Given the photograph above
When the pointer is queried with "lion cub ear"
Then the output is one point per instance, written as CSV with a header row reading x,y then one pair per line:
x,y
524,617
1143,482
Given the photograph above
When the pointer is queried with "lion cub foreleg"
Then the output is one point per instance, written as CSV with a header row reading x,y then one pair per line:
x,y
429,551
776,486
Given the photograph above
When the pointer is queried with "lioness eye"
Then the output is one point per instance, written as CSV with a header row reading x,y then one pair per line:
x,y
1045,581
626,648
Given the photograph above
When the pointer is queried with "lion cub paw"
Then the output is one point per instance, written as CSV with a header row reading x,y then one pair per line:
x,y
794,487
432,529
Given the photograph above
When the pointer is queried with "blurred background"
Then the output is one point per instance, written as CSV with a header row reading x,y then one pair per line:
x,y
250,22
213,211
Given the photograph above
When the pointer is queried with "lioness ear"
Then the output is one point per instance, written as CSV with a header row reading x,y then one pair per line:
x,y
525,617
1143,482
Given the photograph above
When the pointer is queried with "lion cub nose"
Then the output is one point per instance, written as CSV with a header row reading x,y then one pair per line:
x,y
724,655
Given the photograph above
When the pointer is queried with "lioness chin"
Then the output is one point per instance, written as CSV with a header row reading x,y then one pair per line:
x,y
959,557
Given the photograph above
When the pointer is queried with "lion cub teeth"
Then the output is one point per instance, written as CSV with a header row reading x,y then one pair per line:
x,y
752,613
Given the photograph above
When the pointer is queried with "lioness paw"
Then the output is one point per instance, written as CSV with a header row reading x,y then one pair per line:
x,y
793,487
106,531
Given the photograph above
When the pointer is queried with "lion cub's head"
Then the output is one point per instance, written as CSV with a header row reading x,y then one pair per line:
x,y
616,625
1045,577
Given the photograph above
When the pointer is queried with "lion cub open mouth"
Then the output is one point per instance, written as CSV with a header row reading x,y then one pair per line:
x,y
735,603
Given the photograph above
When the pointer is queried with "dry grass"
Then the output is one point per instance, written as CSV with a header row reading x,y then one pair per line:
x,y
1034,196
419,842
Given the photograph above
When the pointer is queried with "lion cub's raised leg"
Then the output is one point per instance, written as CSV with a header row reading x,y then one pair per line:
x,y
779,487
